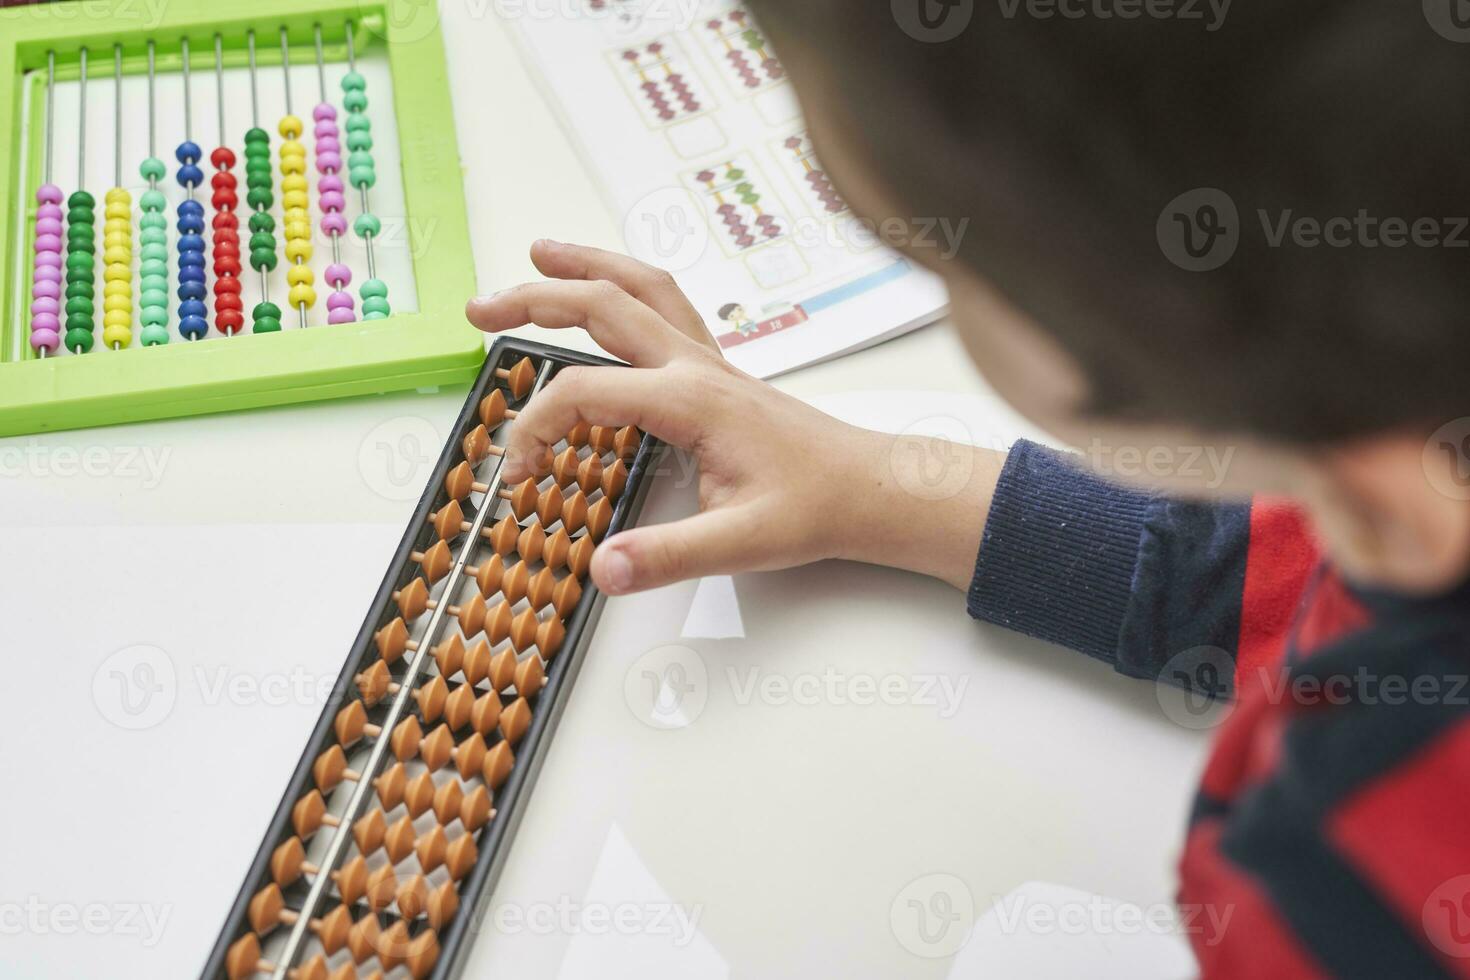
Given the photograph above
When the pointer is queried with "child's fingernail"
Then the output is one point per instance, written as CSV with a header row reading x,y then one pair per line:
x,y
619,572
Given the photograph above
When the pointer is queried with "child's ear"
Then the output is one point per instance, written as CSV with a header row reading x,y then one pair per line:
x,y
1394,512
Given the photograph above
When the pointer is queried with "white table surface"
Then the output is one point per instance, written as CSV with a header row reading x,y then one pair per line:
x,y
782,831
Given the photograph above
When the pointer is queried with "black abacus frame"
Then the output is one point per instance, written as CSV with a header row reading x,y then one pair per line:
x,y
511,798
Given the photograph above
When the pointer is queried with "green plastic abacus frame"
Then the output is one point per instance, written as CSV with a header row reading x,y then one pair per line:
x,y
426,349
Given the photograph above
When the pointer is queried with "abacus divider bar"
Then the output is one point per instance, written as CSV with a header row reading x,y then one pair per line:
x,y
423,656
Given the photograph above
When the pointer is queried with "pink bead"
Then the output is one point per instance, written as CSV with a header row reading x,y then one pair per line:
x,y
338,275
49,211
45,321
331,182
340,316
334,222
328,144
324,110
45,304
48,243
339,300
333,201
48,226
46,290
328,163
326,130
47,340
48,194
48,267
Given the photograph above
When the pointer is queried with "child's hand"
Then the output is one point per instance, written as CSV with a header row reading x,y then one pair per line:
x,y
781,484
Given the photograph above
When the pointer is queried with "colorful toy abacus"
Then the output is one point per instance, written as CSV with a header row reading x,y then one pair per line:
x,y
53,372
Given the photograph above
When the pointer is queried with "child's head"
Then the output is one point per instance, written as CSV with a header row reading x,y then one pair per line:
x,y
1320,356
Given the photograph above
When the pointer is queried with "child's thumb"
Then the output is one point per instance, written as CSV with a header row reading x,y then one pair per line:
x,y
713,543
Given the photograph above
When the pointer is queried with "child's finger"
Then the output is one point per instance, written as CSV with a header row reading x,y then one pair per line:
x,y
613,396
643,282
716,542
623,326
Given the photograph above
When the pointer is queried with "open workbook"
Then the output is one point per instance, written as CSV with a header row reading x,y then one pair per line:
x,y
684,113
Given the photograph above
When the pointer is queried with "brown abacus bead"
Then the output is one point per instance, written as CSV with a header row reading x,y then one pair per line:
x,y
494,409
310,814
497,765
530,677
569,468
435,562
392,641
478,447
330,769
351,723
528,498
626,443
520,378
448,520
380,888
600,438
267,910
376,683
413,599
439,747
515,720
579,434
508,536
487,575
614,480
546,635
599,516
362,939
543,589
476,809
465,707
288,862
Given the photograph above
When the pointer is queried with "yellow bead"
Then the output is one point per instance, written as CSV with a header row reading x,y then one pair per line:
x,y
117,285
292,183
118,196
300,275
116,272
298,249
117,210
302,296
123,304
117,255
294,199
290,127
116,236
117,335
298,229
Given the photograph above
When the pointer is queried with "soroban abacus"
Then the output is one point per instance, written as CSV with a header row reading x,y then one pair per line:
x,y
229,317
401,810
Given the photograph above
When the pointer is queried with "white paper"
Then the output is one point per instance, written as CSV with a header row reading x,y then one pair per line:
x,y
688,120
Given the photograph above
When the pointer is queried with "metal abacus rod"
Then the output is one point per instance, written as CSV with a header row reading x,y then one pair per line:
x,y
362,791
117,235
329,194
46,275
81,241
153,231
266,316
362,174
193,289
295,203
229,318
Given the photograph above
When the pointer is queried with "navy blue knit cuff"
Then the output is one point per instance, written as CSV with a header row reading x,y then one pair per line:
x,y
1059,551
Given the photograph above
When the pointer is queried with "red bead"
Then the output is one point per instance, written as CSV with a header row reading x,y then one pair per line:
x,y
227,301
227,248
222,158
225,221
222,179
224,200
229,321
228,286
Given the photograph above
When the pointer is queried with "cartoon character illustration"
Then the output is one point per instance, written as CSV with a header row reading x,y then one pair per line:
x,y
735,315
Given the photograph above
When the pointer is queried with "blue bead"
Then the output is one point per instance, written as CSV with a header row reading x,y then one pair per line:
x,y
191,267
193,326
190,175
191,243
193,208
188,152
191,225
191,308
192,289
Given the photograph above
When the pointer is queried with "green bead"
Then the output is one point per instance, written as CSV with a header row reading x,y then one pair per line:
x,y
153,200
155,316
262,239
79,262
354,101
373,289
152,169
353,82
262,221
258,166
154,335
155,297
81,217
257,135
78,339
263,258
79,321
359,158
266,325
154,250
265,309
155,269
375,308
362,176
358,123
153,219
81,199
367,224
81,305
258,198
359,140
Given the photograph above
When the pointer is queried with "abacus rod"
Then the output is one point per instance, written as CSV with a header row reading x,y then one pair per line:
x,y
188,116
152,129
321,63
219,85
367,240
254,99
82,125
351,52
422,656
50,107
286,68
117,116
